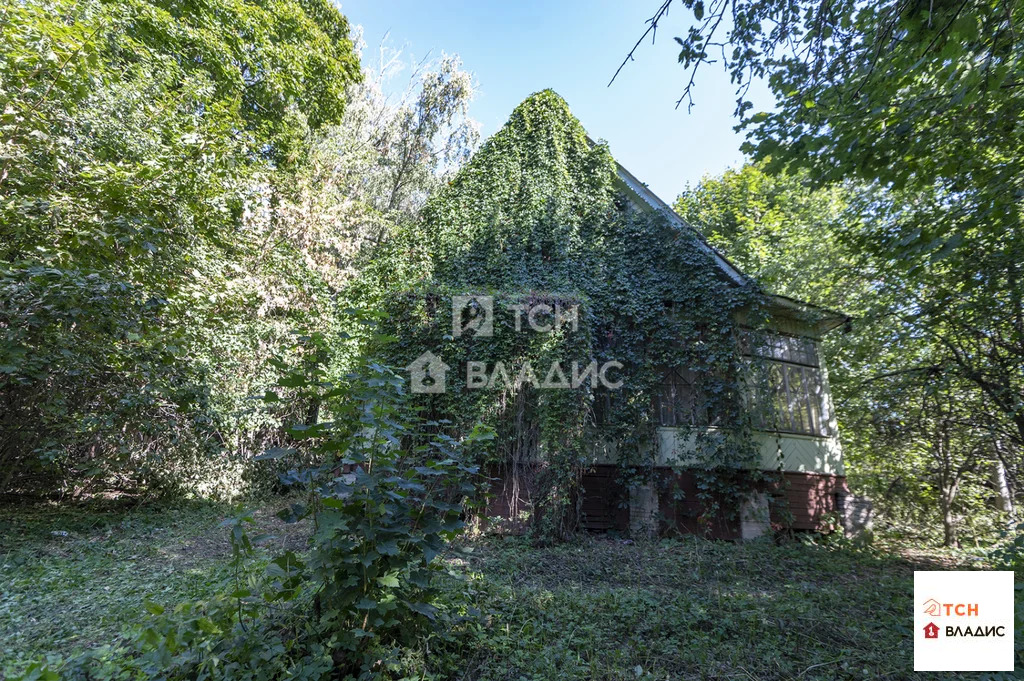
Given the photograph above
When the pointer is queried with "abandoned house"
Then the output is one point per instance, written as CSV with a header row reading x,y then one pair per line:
x,y
541,208
801,443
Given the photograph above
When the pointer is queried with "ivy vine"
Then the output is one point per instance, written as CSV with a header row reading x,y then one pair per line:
x,y
538,217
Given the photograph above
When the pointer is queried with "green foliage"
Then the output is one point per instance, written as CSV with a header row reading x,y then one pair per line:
x,y
537,217
137,295
1008,553
686,609
913,94
74,575
895,387
782,230
920,102
377,166
577,610
383,501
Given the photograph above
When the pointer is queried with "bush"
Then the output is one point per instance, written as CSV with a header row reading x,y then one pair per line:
x,y
383,500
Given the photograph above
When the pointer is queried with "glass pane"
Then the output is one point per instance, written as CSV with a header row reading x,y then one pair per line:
x,y
812,353
817,405
807,397
794,349
666,416
797,399
781,406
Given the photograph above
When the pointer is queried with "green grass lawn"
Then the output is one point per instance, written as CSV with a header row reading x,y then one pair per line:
x,y
692,609
74,577
591,609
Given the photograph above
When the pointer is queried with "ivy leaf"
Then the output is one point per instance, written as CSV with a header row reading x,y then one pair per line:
x,y
274,453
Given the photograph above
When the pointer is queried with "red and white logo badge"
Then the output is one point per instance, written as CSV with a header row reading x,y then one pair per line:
x,y
972,613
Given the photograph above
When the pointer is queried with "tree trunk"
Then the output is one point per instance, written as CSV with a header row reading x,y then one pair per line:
x,y
1004,500
948,518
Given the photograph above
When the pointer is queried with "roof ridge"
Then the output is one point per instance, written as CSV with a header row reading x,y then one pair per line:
x,y
732,271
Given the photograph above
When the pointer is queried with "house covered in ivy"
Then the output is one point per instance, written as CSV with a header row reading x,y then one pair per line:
x,y
637,381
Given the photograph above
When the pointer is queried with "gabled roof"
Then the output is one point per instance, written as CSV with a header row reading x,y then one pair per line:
x,y
830,319
641,191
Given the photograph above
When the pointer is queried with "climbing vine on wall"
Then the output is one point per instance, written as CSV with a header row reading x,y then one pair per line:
x,y
537,217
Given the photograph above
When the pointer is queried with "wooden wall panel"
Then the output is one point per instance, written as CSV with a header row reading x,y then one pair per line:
x,y
808,497
800,501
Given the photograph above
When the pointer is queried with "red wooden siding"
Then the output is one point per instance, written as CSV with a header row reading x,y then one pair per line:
x,y
605,504
799,501
681,510
807,497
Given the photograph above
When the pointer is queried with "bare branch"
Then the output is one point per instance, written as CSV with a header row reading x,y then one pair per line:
x,y
652,28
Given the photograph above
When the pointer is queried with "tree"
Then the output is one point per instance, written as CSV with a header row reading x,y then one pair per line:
x,y
133,320
782,229
920,97
917,436
376,167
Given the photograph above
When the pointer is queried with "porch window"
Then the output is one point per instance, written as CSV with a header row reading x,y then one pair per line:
x,y
678,400
793,394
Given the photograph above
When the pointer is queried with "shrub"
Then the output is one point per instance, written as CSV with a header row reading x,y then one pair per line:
x,y
383,498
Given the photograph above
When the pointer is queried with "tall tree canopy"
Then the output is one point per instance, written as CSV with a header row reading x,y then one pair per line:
x,y
136,137
183,187
921,97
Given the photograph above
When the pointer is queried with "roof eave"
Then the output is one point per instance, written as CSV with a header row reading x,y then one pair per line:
x,y
827,320
655,202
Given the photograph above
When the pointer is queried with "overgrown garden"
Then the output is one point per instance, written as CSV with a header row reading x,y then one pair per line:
x,y
222,238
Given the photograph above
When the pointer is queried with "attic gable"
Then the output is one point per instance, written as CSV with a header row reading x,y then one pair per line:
x,y
537,195
820,319
530,200
644,199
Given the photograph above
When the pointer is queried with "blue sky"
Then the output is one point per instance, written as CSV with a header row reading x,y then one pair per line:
x,y
517,48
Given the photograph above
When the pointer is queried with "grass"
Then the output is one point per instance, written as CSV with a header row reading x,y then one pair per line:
x,y
75,577
691,609
595,608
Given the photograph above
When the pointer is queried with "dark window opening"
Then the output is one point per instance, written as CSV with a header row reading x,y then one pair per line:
x,y
679,400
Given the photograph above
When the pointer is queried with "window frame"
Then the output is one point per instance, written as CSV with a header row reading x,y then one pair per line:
x,y
689,400
790,356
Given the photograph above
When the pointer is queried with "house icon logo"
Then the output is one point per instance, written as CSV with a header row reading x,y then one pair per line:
x,y
931,630
932,607
427,374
